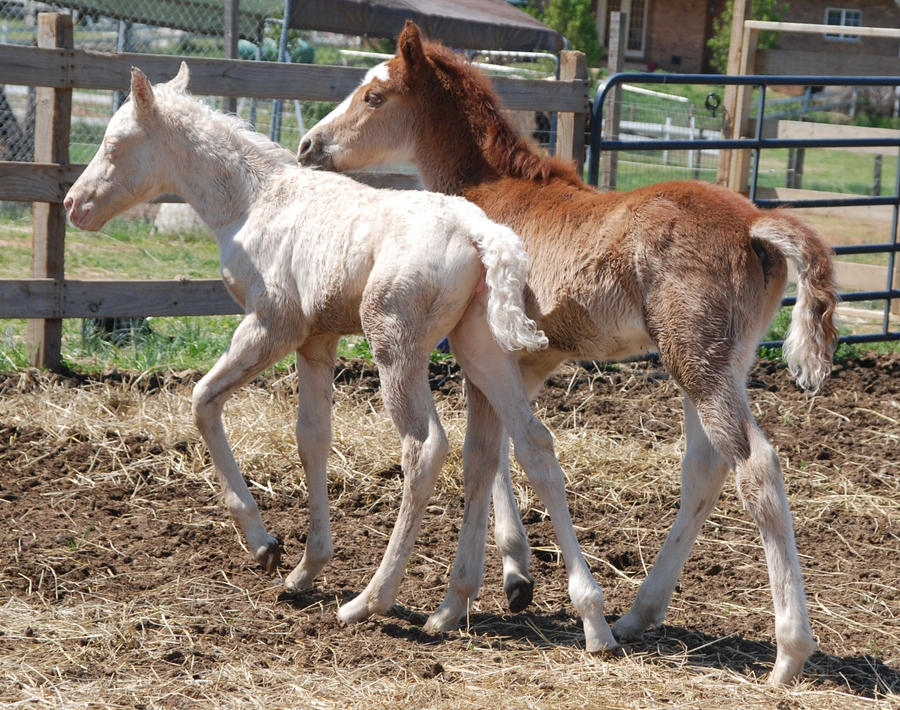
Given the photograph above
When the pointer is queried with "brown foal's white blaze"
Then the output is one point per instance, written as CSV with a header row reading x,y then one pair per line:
x,y
692,270
346,149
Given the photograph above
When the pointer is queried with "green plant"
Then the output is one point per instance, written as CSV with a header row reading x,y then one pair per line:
x,y
774,10
574,21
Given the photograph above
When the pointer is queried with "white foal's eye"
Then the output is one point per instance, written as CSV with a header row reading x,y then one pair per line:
x,y
110,147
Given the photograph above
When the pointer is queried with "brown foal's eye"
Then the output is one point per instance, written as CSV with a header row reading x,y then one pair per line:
x,y
374,99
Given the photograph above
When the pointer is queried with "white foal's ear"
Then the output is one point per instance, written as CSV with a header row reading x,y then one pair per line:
x,y
182,79
141,92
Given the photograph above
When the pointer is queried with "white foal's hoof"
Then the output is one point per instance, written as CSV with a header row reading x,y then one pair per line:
x,y
441,620
629,628
299,581
789,667
354,611
598,637
269,555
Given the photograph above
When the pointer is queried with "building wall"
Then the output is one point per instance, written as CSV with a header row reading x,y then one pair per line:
x,y
875,13
676,35
677,31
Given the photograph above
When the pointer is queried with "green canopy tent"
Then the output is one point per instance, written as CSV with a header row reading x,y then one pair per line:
x,y
473,24
470,24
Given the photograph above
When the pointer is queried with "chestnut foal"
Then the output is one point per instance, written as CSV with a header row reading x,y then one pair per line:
x,y
691,270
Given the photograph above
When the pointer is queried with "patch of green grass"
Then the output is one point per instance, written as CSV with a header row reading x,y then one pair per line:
x,y
130,248
830,170
845,351
176,343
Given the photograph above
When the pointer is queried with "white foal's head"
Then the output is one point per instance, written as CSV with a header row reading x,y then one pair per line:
x,y
129,166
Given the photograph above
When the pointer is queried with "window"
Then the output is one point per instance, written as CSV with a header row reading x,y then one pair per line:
x,y
635,36
843,18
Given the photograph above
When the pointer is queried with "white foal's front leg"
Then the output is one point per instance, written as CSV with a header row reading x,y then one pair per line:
x,y
484,439
407,397
315,371
497,375
253,348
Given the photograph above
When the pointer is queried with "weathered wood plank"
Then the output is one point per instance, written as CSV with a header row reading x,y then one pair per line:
x,y
30,298
73,298
49,182
36,182
108,299
866,212
740,12
809,129
802,27
84,69
570,126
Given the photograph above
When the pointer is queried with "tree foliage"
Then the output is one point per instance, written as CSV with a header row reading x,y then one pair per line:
x,y
772,10
574,21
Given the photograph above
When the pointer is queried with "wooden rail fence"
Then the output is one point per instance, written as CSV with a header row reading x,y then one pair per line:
x,y
56,67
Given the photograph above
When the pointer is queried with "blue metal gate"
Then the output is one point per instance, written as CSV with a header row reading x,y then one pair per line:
x,y
756,144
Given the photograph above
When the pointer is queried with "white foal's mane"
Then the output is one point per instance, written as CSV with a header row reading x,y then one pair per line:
x,y
222,136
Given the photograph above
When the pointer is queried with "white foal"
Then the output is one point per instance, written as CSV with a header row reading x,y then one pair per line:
x,y
311,256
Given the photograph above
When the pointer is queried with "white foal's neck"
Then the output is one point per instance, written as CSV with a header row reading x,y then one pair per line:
x,y
219,162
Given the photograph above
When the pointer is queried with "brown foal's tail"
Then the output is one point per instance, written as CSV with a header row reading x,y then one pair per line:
x,y
812,336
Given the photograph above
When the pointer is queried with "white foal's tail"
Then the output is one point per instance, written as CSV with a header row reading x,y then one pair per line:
x,y
506,269
812,336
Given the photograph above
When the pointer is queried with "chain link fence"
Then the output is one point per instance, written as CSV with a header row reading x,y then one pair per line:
x,y
178,27
651,114
196,28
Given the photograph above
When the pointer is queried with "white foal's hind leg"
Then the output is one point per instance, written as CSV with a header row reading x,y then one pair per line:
x,y
407,397
703,472
315,371
484,438
253,348
497,375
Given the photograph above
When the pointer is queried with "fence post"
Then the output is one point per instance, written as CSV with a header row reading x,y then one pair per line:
x,y
48,220
740,12
570,126
795,167
876,177
618,24
738,179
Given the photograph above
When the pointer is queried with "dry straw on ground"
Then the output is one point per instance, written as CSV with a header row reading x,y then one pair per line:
x,y
124,584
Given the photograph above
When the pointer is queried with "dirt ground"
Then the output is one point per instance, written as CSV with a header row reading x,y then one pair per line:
x,y
123,582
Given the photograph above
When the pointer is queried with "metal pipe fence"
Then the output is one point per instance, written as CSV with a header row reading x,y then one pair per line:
x,y
758,143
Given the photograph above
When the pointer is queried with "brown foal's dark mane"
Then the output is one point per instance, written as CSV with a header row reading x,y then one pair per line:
x,y
503,149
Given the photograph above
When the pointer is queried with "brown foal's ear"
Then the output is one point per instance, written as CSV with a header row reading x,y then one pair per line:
x,y
141,92
409,46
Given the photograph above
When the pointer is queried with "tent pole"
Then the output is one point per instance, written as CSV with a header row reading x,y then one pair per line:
x,y
277,106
